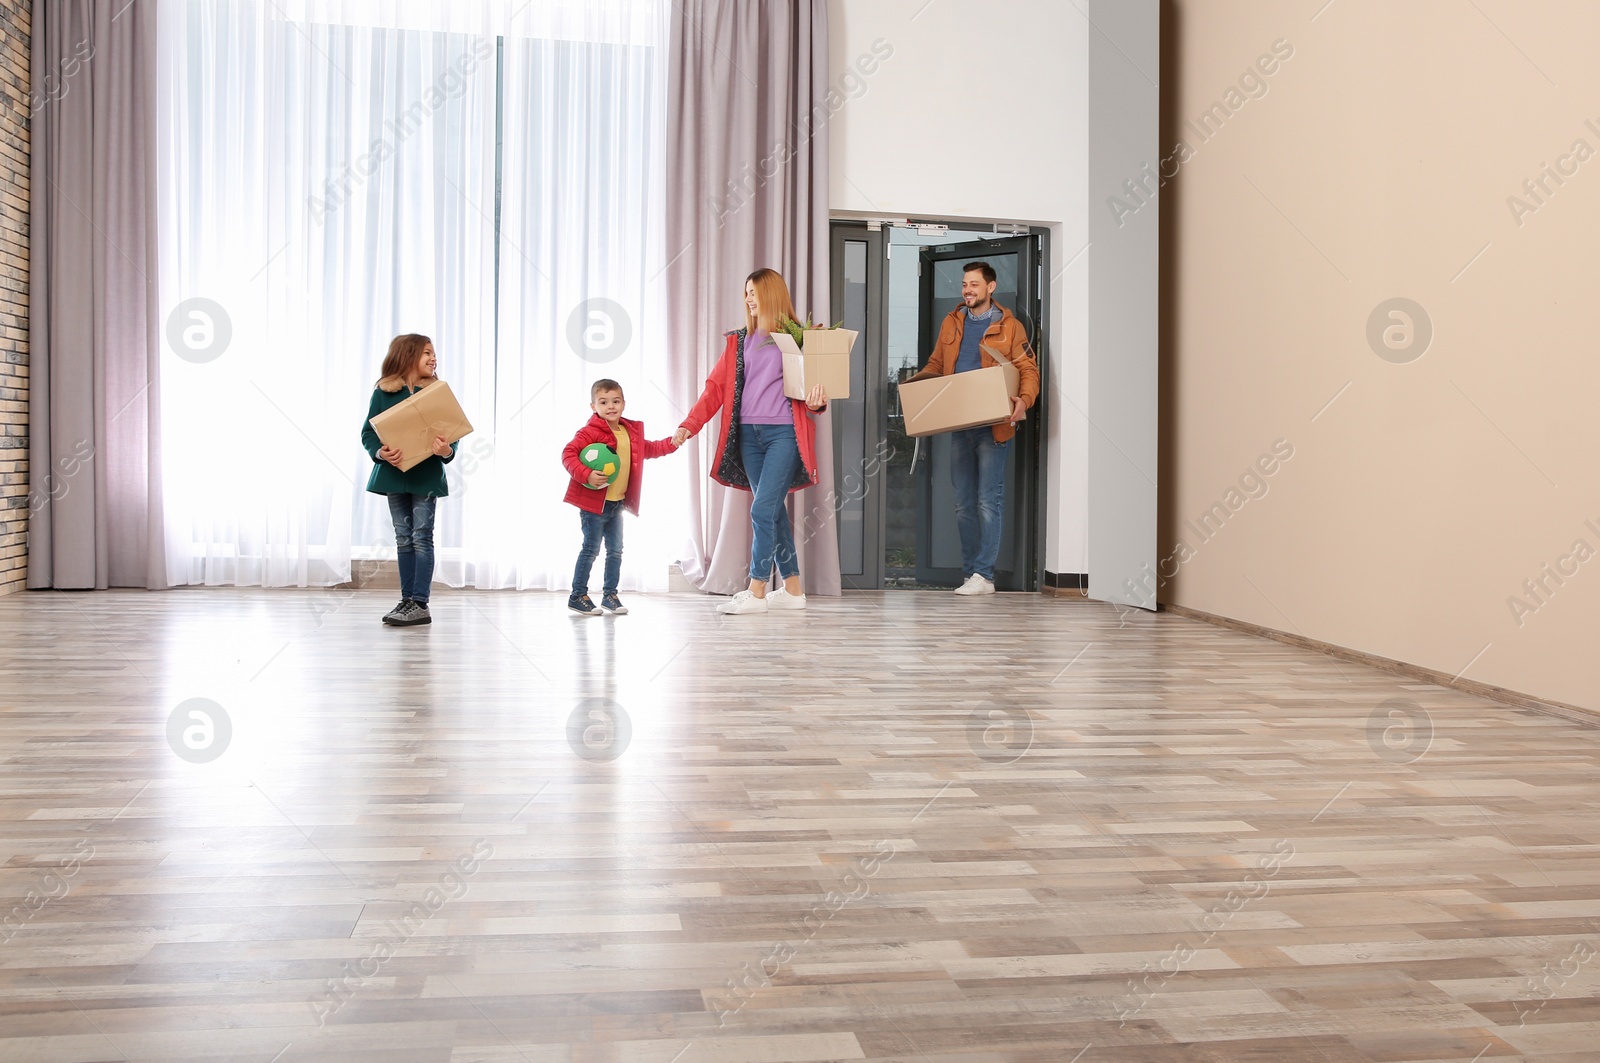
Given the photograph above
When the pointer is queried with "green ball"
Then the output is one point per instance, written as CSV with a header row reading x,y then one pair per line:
x,y
601,458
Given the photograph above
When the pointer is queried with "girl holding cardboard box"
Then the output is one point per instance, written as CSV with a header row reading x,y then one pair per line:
x,y
768,441
413,491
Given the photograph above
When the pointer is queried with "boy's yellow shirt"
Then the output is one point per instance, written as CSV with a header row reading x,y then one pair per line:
x,y
619,487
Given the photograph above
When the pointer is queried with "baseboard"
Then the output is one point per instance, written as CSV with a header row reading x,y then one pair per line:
x,y
373,575
1575,713
676,583
385,575
1070,585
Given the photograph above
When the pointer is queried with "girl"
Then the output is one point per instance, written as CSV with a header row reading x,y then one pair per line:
x,y
768,442
409,367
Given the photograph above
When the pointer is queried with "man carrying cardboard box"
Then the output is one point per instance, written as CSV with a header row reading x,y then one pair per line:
x,y
978,455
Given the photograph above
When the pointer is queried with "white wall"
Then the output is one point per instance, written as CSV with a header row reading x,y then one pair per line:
x,y
902,144
1124,281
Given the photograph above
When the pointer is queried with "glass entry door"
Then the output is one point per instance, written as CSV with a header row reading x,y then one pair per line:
x,y
896,516
859,443
938,543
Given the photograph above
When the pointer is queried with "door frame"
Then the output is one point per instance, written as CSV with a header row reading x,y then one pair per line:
x,y
1033,491
875,350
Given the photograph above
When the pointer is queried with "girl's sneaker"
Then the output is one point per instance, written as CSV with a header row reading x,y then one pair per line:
x,y
393,615
582,605
612,604
412,614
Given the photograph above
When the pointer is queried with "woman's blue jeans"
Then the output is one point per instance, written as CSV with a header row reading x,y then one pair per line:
x,y
413,543
771,459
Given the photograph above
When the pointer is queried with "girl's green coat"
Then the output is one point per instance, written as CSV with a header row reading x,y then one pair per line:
x,y
424,479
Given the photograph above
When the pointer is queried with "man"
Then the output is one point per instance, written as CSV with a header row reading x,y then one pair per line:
x,y
978,455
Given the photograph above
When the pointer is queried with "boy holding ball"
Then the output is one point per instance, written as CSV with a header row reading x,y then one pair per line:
x,y
606,462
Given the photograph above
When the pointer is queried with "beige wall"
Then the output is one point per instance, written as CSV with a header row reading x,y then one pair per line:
x,y
1379,164
15,18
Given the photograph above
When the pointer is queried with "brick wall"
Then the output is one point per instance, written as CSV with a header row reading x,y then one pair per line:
x,y
15,27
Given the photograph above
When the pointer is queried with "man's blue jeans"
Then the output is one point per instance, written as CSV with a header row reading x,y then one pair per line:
x,y
771,459
604,526
413,543
978,473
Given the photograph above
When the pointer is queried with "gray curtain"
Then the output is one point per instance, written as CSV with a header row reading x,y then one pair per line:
x,y
95,334
747,187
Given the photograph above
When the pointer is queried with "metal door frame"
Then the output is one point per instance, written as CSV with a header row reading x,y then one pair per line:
x,y
1033,481
867,481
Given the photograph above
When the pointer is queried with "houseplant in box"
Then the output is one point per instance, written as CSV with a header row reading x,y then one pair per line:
x,y
797,329
815,354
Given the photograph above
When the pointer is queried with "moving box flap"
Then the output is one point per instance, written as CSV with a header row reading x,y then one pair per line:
x,y
1009,367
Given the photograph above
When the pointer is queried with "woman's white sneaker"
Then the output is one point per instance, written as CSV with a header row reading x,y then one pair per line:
x,y
782,599
976,584
743,602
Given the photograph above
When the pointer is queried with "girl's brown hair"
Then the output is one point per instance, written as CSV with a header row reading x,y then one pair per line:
x,y
404,354
772,296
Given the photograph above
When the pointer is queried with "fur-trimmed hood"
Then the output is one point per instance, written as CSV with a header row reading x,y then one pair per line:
x,y
392,384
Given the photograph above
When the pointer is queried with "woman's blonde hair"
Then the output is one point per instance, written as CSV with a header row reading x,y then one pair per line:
x,y
772,296
404,353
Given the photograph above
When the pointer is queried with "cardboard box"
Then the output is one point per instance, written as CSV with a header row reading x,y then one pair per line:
x,y
824,358
413,424
960,400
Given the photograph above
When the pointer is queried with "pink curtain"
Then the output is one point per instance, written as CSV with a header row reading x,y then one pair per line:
x,y
95,503
747,187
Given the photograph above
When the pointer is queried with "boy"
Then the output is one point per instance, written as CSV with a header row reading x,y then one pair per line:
x,y
600,505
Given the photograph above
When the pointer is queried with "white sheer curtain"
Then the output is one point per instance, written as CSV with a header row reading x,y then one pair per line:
x,y
331,175
580,294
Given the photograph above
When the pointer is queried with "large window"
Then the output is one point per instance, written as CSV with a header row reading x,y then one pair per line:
x,y
335,173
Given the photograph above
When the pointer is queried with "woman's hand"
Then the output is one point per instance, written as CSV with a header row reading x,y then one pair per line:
x,y
390,455
680,436
817,399
440,447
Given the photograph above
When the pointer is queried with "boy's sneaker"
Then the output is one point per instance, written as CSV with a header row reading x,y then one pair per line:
x,y
782,599
976,584
612,604
743,602
393,615
412,614
582,605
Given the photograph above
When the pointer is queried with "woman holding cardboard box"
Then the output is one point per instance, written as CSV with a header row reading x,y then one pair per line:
x,y
768,441
413,493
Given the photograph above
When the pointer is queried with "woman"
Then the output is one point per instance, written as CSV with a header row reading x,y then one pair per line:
x,y
768,444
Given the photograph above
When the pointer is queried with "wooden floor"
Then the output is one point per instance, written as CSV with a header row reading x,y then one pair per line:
x,y
903,826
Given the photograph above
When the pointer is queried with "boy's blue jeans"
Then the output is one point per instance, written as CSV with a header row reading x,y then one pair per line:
x,y
597,527
413,543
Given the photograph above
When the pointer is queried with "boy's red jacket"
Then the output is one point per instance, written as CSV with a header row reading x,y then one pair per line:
x,y
639,448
